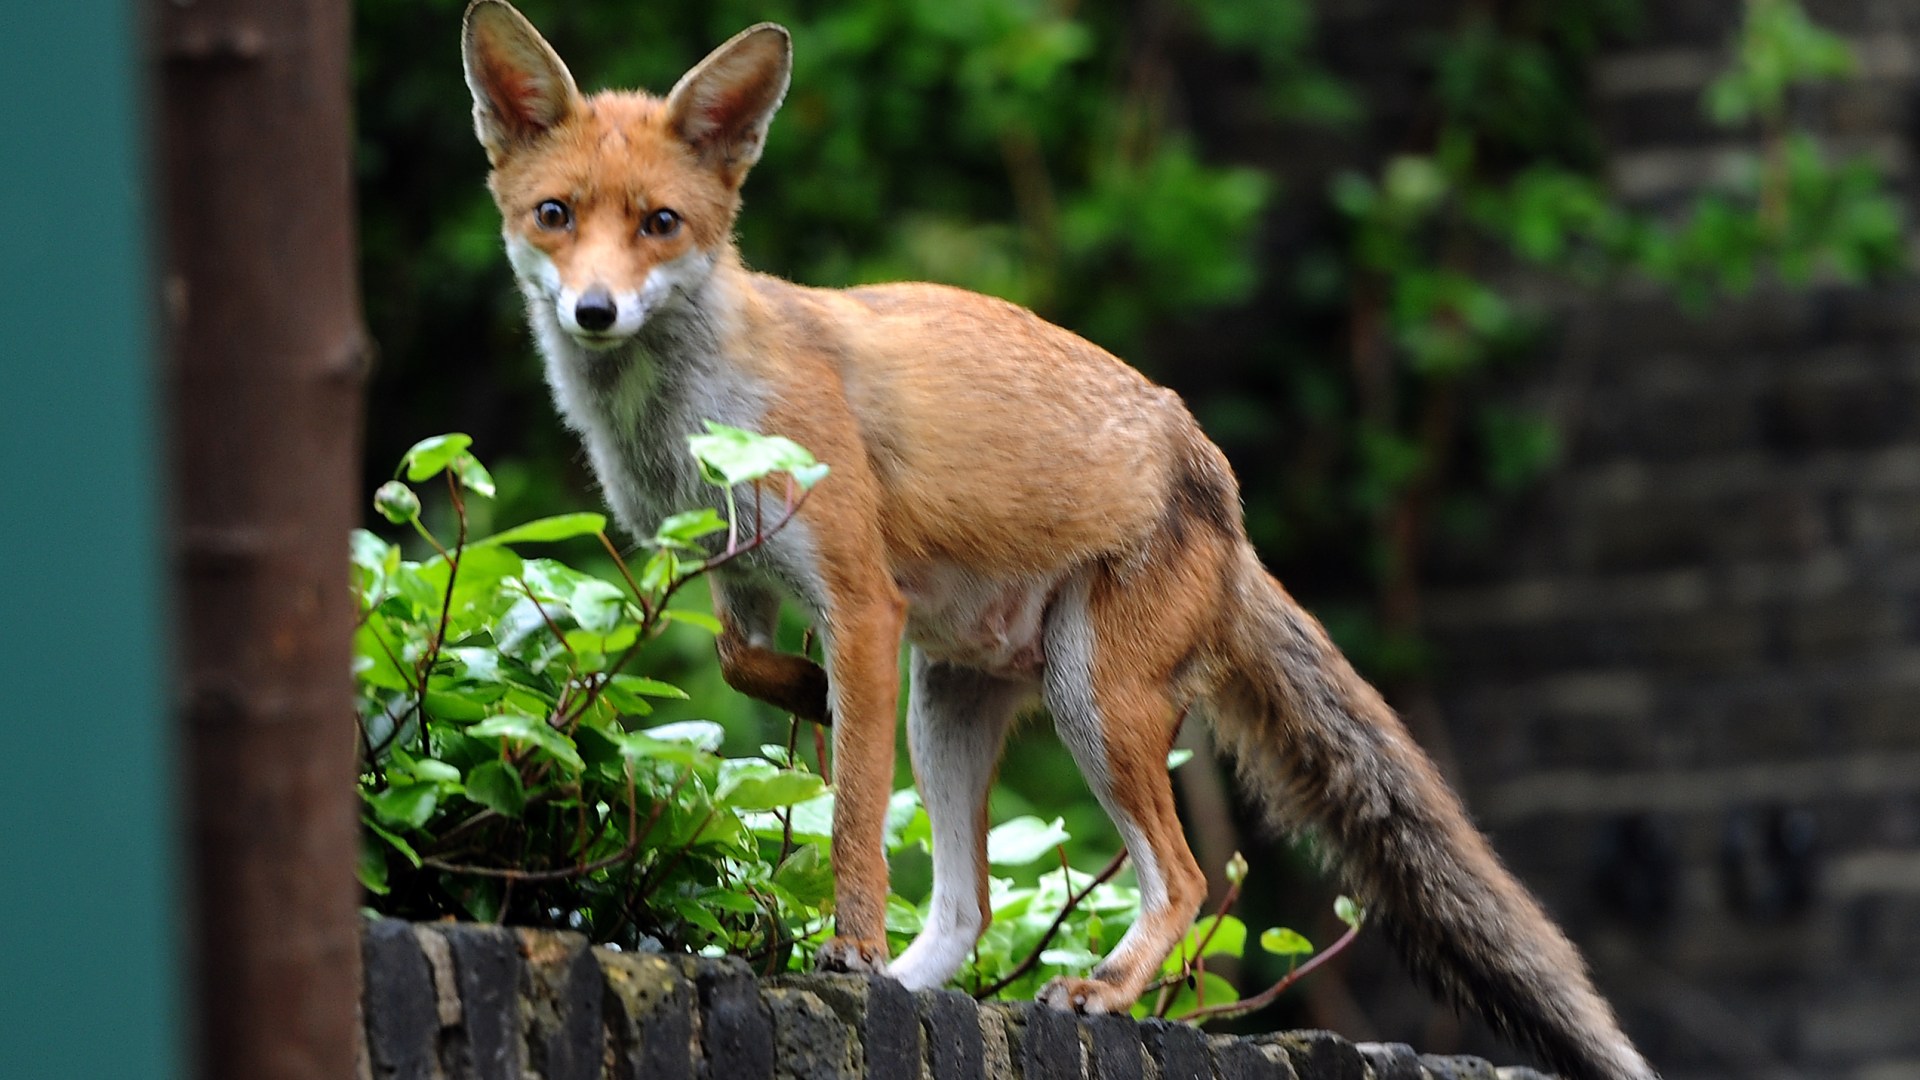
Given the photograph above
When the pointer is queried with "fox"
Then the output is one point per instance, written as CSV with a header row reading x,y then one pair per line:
x,y
1037,523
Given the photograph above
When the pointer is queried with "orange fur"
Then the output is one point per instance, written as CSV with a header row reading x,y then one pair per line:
x,y
1037,519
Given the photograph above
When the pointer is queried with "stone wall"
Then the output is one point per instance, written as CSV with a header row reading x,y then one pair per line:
x,y
1690,674
451,1001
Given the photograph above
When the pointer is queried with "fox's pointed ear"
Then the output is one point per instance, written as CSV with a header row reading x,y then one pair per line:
x,y
723,106
520,87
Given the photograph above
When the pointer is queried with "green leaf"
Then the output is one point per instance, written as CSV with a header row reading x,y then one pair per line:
x,y
473,474
694,618
429,456
637,684
1223,934
597,605
405,805
450,706
368,550
399,845
497,786
1349,912
1236,869
1024,840
727,900
659,571
396,502
373,645
549,529
806,875
757,790
520,727
704,734
682,529
625,702
435,771
700,917
1073,959
902,917
1281,941
730,455
371,868
1215,991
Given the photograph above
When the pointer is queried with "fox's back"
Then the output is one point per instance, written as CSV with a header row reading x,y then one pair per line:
x,y
997,435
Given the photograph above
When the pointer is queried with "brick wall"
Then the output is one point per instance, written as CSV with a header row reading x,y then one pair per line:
x,y
449,1001
1690,675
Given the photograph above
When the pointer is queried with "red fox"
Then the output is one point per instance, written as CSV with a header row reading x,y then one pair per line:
x,y
1033,517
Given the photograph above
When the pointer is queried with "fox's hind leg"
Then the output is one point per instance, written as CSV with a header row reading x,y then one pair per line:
x,y
1113,653
957,720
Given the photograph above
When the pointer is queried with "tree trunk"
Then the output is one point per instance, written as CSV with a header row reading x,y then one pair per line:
x,y
267,357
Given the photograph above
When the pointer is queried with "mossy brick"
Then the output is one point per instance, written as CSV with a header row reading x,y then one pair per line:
x,y
950,1026
446,986
1235,1058
1457,1067
735,1030
397,997
487,969
1115,1048
811,1041
1321,1055
565,992
1392,1061
649,1016
1000,1027
881,1012
1179,1050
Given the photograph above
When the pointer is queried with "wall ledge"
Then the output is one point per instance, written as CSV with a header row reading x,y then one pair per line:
x,y
458,1001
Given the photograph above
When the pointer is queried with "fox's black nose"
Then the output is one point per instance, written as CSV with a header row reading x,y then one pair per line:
x,y
595,311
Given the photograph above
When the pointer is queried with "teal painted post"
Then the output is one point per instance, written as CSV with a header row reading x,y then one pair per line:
x,y
90,982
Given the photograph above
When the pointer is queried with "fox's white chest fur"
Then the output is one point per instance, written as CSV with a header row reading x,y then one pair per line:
x,y
633,407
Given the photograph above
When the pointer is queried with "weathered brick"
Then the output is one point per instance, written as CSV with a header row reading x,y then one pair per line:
x,y
736,1030
1319,1055
950,1023
1051,1047
650,1017
1391,1061
565,1040
1117,1052
999,1038
397,998
1457,1067
488,968
1180,1050
1235,1058
881,1012
810,1040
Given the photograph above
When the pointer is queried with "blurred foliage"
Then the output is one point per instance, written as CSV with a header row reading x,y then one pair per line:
x,y
1345,320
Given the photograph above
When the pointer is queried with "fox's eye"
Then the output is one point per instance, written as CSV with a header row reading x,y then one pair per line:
x,y
552,214
662,222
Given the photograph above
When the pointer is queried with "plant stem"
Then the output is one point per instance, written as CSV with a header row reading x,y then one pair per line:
x,y
1113,867
1266,997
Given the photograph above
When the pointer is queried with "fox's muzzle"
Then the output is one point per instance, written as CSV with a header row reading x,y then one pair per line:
x,y
595,310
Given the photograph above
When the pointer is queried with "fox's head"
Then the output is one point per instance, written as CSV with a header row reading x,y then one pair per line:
x,y
615,207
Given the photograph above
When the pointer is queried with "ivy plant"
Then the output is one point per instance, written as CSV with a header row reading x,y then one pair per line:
x,y
509,770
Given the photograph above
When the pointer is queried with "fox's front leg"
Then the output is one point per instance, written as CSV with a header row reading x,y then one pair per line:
x,y
750,661
864,625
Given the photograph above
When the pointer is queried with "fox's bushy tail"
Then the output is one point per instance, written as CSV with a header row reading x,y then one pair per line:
x,y
1325,751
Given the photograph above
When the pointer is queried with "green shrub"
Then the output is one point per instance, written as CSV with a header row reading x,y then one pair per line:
x,y
510,771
